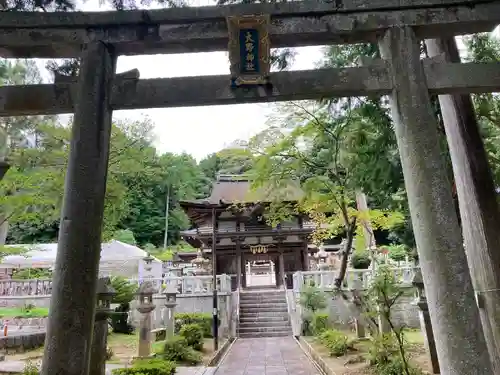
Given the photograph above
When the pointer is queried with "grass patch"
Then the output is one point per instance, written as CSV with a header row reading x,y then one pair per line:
x,y
13,312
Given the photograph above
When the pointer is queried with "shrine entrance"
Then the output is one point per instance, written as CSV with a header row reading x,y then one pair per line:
x,y
398,26
261,270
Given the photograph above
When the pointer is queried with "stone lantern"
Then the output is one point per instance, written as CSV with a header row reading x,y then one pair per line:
x,y
170,303
105,294
202,265
321,255
425,319
145,306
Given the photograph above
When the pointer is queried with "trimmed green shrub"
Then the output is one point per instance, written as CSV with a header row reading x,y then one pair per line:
x,y
320,322
360,260
204,320
335,341
177,350
312,298
193,333
154,366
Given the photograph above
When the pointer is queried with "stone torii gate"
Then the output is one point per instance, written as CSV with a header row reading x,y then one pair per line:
x,y
397,25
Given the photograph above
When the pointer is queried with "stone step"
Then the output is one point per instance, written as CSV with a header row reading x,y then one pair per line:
x,y
264,329
264,309
262,300
259,318
247,335
263,295
263,315
253,305
265,324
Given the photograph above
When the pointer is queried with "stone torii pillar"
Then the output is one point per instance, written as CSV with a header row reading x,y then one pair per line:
x,y
459,338
73,301
477,199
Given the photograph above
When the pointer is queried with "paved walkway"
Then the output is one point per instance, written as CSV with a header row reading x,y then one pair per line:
x,y
266,356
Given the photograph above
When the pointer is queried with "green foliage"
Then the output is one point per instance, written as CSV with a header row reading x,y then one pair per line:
x,y
124,289
193,333
125,293
383,348
201,319
335,341
154,366
360,260
125,236
398,252
312,298
396,366
320,322
31,273
31,369
177,350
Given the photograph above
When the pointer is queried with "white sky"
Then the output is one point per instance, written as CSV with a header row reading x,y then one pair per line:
x,y
198,130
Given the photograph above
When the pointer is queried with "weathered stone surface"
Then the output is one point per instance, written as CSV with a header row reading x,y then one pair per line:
x,y
208,13
266,356
216,90
73,299
21,343
477,198
455,317
185,31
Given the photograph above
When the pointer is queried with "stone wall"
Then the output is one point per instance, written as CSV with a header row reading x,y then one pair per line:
x,y
191,303
22,343
405,312
186,303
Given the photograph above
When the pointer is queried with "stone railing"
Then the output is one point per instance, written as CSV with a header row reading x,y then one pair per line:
x,y
355,278
37,287
184,284
191,284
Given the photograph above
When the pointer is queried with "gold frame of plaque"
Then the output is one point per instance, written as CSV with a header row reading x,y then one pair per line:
x,y
258,24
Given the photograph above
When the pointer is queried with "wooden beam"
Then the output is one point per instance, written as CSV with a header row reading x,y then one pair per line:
x,y
48,99
204,29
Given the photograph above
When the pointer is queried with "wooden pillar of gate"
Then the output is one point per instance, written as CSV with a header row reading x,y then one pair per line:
x,y
455,317
477,199
73,301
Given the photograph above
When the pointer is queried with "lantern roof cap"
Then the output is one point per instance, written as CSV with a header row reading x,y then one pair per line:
x,y
104,287
417,278
146,287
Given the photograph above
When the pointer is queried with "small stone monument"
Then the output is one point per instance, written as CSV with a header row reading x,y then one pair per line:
x,y
105,294
425,320
170,303
145,307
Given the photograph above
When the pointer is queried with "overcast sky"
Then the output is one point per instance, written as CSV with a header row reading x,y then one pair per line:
x,y
198,130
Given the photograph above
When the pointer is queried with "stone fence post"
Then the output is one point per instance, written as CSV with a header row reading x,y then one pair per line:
x,y
425,321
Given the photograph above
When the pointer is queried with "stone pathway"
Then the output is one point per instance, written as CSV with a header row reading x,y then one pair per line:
x,y
266,356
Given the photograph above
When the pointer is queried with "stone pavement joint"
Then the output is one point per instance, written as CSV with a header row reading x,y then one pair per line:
x,y
266,356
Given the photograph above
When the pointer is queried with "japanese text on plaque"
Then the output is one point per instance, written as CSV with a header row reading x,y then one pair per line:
x,y
249,51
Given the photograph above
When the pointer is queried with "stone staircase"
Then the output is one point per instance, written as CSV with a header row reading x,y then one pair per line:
x,y
263,313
